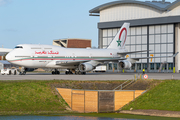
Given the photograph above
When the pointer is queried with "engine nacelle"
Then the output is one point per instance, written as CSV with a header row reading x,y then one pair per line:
x,y
125,64
85,67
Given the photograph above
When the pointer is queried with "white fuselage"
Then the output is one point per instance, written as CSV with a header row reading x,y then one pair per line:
x,y
45,56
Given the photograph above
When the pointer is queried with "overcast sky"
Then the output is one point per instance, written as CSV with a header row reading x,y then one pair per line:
x,y
42,21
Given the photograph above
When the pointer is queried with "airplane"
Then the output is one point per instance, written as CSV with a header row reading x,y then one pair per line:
x,y
77,60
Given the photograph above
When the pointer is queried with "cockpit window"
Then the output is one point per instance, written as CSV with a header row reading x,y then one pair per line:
x,y
18,47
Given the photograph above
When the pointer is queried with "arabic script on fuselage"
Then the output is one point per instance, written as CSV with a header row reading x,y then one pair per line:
x,y
47,52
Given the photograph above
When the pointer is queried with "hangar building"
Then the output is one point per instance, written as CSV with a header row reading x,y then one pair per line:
x,y
154,25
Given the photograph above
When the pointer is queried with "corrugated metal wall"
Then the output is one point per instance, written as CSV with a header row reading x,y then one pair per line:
x,y
134,11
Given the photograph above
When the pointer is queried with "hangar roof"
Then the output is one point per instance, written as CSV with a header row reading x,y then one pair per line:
x,y
160,5
3,51
4,62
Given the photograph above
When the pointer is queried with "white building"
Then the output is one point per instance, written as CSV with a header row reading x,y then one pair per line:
x,y
155,26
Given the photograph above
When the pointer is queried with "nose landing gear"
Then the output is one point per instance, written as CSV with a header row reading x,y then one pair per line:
x,y
22,71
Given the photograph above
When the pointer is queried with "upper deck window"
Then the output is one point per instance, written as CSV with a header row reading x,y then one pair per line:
x,y
18,47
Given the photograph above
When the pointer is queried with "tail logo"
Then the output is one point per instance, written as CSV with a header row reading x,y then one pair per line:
x,y
119,42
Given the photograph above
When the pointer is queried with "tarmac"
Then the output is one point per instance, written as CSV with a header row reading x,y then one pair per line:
x,y
90,76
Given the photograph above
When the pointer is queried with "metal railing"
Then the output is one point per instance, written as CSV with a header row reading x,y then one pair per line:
x,y
125,84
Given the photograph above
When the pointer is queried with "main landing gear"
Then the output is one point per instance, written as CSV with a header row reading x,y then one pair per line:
x,y
69,72
80,73
55,72
77,72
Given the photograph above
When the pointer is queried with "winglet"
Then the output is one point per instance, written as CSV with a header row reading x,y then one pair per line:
x,y
175,54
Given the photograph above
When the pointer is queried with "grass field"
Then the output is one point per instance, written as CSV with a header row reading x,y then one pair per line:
x,y
165,96
29,96
40,97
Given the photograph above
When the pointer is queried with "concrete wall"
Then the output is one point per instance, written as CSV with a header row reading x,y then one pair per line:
x,y
177,48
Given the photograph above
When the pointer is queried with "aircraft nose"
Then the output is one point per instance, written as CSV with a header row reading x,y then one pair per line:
x,y
8,57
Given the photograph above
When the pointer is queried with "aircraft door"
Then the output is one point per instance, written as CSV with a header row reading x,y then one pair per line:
x,y
73,56
50,58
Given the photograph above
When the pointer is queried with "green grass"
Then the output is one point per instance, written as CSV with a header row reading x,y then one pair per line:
x,y
40,98
34,96
29,96
165,96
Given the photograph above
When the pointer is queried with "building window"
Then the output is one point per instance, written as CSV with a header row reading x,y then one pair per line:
x,y
151,66
138,66
133,67
170,66
110,66
144,66
115,66
157,66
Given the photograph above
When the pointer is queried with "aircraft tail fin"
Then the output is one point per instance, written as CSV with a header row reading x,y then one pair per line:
x,y
119,40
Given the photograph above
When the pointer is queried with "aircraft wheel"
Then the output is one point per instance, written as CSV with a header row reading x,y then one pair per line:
x,y
24,73
66,72
14,72
53,72
58,72
9,72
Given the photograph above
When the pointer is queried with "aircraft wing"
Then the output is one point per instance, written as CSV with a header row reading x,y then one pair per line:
x,y
136,59
110,60
154,57
125,53
70,63
75,62
93,61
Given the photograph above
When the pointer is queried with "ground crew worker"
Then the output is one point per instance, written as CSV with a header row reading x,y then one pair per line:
x,y
143,71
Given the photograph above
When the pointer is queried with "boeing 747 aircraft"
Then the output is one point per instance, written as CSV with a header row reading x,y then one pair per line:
x,y
76,60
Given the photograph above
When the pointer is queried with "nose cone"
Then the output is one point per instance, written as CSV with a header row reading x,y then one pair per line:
x,y
8,57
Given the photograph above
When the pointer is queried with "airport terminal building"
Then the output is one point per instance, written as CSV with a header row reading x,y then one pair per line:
x,y
154,26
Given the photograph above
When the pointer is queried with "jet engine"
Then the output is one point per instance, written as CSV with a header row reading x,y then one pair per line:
x,y
125,64
85,67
